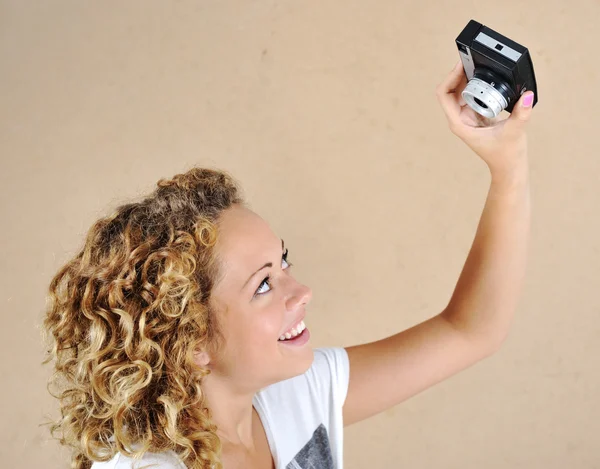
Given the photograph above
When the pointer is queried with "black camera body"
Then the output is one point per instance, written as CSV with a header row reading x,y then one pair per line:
x,y
498,70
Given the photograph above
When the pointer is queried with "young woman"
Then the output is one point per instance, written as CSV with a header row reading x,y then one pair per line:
x,y
179,333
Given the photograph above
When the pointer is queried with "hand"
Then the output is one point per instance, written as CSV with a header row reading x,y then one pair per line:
x,y
501,143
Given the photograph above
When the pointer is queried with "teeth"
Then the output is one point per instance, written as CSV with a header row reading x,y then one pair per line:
x,y
297,330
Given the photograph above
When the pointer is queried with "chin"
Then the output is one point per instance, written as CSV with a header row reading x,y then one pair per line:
x,y
306,360
299,364
310,358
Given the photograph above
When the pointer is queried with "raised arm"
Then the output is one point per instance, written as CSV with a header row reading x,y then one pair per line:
x,y
477,318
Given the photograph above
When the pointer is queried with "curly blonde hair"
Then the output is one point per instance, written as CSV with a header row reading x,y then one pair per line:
x,y
124,318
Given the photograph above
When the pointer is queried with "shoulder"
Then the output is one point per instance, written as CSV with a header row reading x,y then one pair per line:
x,y
328,376
166,460
332,359
330,368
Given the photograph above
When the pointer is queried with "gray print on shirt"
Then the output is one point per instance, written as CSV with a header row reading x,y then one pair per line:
x,y
316,454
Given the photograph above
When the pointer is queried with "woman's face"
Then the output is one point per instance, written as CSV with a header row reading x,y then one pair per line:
x,y
253,312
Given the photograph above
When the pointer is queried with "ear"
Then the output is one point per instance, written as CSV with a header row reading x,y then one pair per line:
x,y
201,358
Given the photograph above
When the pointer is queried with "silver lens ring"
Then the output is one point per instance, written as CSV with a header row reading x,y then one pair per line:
x,y
486,94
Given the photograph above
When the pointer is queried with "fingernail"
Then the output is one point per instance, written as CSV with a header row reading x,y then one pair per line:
x,y
528,100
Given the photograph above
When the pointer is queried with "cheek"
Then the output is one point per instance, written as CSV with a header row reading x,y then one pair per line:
x,y
268,327
256,332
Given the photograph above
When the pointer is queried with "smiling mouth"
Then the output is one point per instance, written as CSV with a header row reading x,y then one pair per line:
x,y
298,340
293,332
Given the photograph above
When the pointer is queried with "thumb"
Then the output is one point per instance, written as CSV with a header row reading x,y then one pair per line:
x,y
522,110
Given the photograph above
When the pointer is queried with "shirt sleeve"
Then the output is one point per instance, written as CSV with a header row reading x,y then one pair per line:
x,y
328,379
317,396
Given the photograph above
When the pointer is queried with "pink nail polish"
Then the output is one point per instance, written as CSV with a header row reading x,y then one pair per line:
x,y
528,100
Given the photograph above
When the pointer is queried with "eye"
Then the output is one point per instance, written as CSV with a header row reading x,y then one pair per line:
x,y
267,279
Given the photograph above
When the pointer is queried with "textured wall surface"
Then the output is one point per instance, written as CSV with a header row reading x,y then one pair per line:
x,y
326,113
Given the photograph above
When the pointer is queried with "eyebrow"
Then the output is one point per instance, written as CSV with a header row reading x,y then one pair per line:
x,y
268,264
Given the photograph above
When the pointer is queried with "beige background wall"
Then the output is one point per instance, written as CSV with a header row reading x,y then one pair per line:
x,y
325,111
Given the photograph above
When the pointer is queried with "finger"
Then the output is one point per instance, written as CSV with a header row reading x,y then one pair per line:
x,y
453,79
522,111
446,93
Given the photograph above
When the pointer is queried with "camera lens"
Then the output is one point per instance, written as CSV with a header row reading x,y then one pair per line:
x,y
487,93
481,103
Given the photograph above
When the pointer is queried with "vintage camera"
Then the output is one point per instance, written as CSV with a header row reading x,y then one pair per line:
x,y
498,70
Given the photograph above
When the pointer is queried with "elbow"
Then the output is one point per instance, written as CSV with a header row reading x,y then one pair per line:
x,y
487,337
492,345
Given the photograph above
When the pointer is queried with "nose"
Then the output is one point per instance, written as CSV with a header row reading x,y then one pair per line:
x,y
299,296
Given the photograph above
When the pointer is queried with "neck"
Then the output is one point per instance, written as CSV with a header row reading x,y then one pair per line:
x,y
232,411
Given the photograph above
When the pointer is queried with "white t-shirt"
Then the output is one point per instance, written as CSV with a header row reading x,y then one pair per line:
x,y
302,417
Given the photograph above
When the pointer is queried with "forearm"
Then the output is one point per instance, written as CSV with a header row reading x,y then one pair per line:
x,y
488,289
